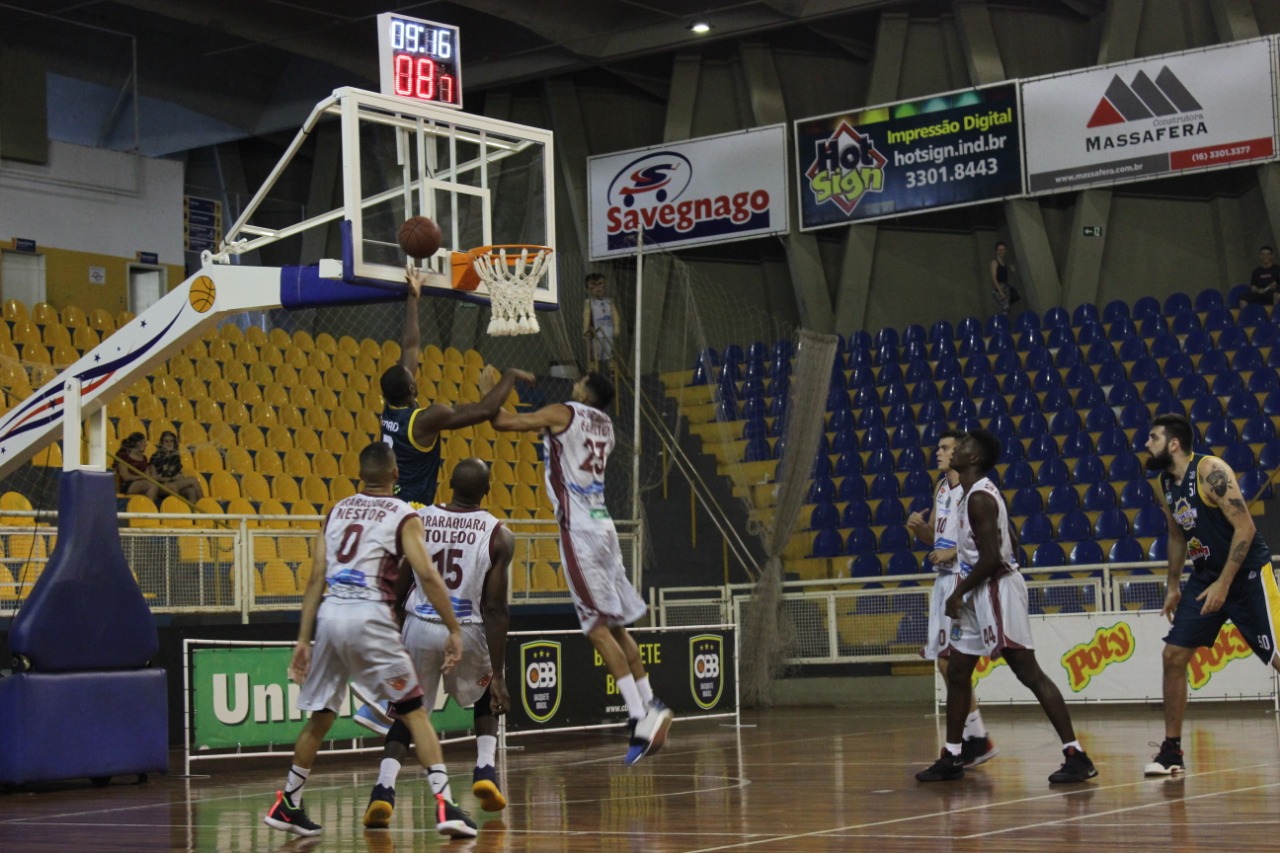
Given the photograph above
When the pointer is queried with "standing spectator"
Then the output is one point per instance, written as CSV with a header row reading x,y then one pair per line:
x,y
1264,283
600,325
166,469
1003,292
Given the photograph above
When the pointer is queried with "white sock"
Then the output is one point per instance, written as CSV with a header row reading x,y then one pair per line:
x,y
953,748
293,783
486,750
438,777
631,693
388,772
973,725
1074,743
646,692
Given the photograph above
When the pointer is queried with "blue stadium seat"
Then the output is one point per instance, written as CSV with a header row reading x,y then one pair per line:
x,y
879,461
1159,549
887,336
1262,381
941,330
1091,397
824,516
884,487
1234,338
932,432
1043,447
821,465
894,393
1124,467
1226,384
874,438
1157,390
755,428
1011,451
1145,369
1264,335
903,563
1068,354
1217,319
1239,457
1177,303
1258,429
1075,525
861,539
1017,476
1111,524
1178,366
1003,427
844,440
999,341
1111,441
1032,425
1116,309
1052,472
1088,469
1220,432
828,543
1111,373
1092,333
1026,501
890,374
1063,499
1252,315
944,351
1256,485
1242,405
853,488
1185,323
884,355
860,340
754,409
915,351
1065,422
1132,347
1078,376
1146,306
1086,553
911,459
726,410
1047,555
1174,406
1136,494
914,333
1046,380
1015,383
1208,299
904,437
1086,312
821,490
895,538
1135,416
1205,407
953,389
1026,321
1150,521
865,566
862,376
1122,393
1006,361
918,370
1123,330
1164,345
1099,496
865,397
757,450
1036,529
993,402
1037,358
1077,444
1126,550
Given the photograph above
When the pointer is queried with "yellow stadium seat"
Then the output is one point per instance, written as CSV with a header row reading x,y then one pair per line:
x,y
236,413
326,399
267,462
142,503
296,462
325,464
325,343
56,335
192,433
291,416
208,411
305,438
315,489
264,548
64,356
8,586
312,375
173,505
367,422
179,409
157,427
262,374
256,336
504,449
43,313
238,461
285,489
472,358
220,434
243,506
251,438
275,394
182,368
25,332
272,357
263,415
14,310
350,461
84,338
254,486
294,549
280,437
277,579
317,418
219,349
336,378
359,381
245,353
269,507
230,332
208,369
221,390
300,395
249,393
73,317
35,354
545,578
334,440
100,319
348,345
11,502
49,457
342,487
27,546
223,486
195,350
302,512
303,341
294,359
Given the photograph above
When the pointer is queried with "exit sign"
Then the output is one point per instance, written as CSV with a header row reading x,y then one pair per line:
x,y
1093,230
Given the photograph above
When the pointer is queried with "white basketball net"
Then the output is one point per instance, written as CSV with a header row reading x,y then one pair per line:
x,y
512,285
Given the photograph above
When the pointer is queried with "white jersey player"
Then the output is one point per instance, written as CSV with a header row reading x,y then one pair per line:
x,y
578,438
989,609
355,566
472,549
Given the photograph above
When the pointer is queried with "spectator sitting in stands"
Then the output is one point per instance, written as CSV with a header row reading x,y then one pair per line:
x,y
166,469
131,468
1264,284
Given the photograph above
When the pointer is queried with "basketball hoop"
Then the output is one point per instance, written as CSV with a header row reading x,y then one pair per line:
x,y
511,273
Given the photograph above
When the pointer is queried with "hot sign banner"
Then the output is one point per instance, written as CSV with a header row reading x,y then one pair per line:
x,y
942,151
715,189
1150,118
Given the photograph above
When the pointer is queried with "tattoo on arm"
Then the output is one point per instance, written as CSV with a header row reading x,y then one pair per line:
x,y
1217,480
1240,551
1237,504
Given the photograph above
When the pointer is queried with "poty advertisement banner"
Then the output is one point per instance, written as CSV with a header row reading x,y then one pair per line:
x,y
241,696
1116,657
1137,120
942,151
557,681
709,190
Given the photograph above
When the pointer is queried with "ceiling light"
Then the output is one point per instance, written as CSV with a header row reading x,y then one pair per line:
x,y
700,27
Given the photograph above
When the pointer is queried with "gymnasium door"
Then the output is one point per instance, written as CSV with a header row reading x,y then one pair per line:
x,y
146,286
22,277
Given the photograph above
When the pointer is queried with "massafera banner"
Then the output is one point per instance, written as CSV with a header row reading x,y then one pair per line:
x,y
1116,657
709,190
1136,120
942,151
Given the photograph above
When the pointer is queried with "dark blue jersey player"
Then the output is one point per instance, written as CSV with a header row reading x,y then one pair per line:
x,y
1231,578
413,431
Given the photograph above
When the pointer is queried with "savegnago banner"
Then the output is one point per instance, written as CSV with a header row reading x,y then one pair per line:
x,y
941,151
1131,121
709,190
1116,657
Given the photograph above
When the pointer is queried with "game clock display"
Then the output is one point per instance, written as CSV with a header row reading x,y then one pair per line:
x,y
419,59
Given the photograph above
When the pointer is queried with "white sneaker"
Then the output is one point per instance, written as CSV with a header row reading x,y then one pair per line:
x,y
374,718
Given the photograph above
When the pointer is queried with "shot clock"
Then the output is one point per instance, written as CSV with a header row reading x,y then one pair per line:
x,y
419,59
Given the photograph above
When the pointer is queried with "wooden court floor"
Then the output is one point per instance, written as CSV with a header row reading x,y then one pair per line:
x,y
824,779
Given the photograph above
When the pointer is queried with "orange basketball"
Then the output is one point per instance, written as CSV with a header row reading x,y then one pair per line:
x,y
420,237
202,294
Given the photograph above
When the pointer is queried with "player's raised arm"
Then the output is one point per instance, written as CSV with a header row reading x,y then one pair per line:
x,y
554,417
410,336
439,417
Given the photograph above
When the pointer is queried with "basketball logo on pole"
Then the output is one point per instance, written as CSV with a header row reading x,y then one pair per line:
x,y
202,294
540,692
706,651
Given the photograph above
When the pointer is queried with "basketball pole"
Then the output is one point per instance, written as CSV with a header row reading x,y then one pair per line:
x,y
635,383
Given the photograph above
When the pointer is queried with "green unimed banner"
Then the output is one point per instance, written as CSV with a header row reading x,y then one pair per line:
x,y
241,696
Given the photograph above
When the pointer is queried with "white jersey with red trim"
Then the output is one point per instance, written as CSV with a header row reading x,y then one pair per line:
x,y
362,547
576,460
966,545
946,521
460,542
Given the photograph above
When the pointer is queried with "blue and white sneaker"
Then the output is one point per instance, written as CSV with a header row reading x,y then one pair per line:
x,y
649,733
374,717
